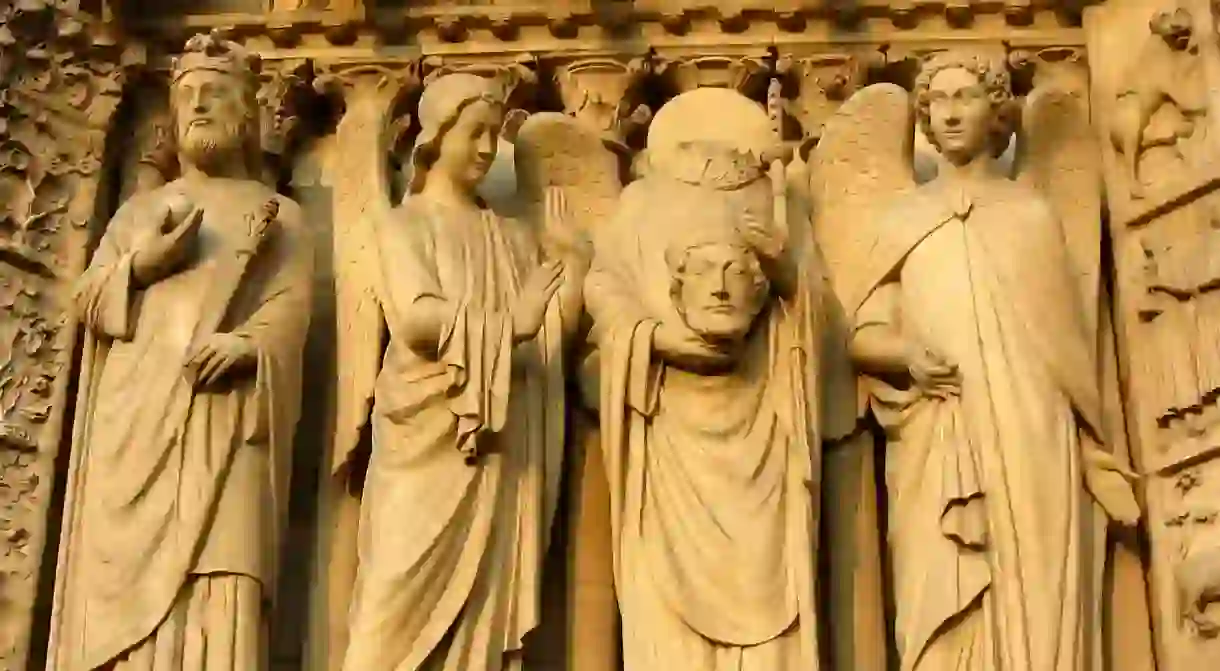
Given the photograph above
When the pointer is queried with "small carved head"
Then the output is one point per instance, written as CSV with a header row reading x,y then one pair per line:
x,y
965,105
213,98
461,116
1174,26
718,288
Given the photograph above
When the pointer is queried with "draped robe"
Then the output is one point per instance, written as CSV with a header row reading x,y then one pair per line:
x,y
713,521
997,551
176,495
463,480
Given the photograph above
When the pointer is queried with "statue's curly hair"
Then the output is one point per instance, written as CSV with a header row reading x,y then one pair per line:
x,y
995,79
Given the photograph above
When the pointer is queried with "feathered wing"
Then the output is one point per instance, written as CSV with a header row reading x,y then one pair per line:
x,y
568,182
362,179
360,182
862,163
1058,154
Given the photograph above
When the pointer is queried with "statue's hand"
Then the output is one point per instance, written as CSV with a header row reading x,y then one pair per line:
x,y
167,248
530,308
932,373
1111,486
221,355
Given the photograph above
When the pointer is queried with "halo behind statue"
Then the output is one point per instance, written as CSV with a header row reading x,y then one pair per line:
x,y
712,115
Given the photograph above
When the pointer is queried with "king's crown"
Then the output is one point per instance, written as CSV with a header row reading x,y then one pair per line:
x,y
210,51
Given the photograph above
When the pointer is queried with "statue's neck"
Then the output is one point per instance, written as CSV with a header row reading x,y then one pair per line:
x,y
981,168
443,190
226,168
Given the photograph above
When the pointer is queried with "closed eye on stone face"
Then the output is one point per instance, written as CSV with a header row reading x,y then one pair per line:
x,y
970,93
738,268
700,267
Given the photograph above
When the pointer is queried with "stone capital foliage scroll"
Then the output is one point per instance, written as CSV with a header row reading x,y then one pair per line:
x,y
60,82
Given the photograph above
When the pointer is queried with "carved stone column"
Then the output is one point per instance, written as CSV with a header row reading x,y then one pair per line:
x,y
355,171
60,83
853,588
822,83
604,95
1166,343
285,92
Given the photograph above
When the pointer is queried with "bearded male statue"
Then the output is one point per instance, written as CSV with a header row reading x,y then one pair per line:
x,y
196,306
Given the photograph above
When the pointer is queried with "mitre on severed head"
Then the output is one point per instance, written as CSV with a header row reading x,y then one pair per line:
x,y
709,149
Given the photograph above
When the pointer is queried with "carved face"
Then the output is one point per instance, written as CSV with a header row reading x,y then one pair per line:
x,y
210,113
960,115
469,147
1174,26
719,289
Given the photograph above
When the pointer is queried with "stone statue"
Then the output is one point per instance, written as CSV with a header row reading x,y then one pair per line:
x,y
1164,104
976,332
706,322
196,306
467,411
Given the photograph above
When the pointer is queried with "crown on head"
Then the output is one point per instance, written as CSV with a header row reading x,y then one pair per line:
x,y
210,51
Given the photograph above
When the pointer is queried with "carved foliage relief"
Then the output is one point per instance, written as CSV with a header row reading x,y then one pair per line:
x,y
59,86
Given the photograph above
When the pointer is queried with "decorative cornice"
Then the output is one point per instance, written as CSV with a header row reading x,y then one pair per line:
x,y
579,27
819,84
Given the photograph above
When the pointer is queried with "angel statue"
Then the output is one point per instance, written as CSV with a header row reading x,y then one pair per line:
x,y
973,306
196,307
467,409
706,319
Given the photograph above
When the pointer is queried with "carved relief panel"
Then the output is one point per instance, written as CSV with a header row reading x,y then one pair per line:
x,y
59,86
1156,117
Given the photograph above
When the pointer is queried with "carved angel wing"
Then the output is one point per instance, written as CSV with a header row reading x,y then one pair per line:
x,y
1058,154
362,191
568,181
863,162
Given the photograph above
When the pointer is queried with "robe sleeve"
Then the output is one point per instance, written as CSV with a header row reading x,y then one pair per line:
x,y
278,325
105,293
839,389
475,344
280,280
621,332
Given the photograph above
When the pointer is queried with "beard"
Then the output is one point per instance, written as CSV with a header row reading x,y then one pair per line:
x,y
208,147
